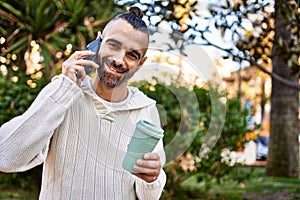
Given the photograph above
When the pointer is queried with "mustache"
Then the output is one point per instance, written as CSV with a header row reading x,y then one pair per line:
x,y
111,62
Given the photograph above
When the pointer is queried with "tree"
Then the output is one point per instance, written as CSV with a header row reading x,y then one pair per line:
x,y
283,159
283,53
249,25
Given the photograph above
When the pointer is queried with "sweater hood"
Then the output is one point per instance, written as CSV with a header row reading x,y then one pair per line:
x,y
137,99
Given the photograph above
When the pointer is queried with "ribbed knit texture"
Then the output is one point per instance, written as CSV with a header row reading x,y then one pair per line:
x,y
81,143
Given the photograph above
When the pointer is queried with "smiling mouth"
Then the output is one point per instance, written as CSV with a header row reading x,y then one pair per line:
x,y
114,68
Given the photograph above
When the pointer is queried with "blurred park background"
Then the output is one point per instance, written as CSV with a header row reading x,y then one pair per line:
x,y
254,46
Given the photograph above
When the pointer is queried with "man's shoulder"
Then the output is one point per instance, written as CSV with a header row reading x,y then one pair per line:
x,y
137,93
139,97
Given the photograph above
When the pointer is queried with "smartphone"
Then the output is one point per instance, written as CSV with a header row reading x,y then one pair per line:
x,y
94,46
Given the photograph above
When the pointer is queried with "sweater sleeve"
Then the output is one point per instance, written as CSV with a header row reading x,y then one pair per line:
x,y
24,140
151,191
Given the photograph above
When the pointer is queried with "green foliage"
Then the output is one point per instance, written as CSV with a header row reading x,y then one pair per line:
x,y
29,180
213,166
16,96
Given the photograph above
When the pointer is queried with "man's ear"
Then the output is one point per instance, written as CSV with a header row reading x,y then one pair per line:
x,y
142,61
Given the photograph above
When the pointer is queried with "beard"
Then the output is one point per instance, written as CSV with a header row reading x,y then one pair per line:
x,y
112,79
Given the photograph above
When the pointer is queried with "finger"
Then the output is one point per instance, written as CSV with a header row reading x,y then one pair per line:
x,y
83,62
149,167
81,74
99,35
147,178
77,55
145,170
73,70
151,164
151,156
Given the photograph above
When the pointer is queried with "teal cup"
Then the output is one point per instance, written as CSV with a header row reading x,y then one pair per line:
x,y
144,140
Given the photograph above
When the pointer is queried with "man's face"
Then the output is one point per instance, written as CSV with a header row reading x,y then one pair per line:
x,y
121,53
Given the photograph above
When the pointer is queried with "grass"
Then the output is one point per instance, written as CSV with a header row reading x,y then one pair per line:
x,y
20,186
258,187
19,194
272,187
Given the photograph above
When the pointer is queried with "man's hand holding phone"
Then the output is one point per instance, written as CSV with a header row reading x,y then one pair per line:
x,y
75,65
81,63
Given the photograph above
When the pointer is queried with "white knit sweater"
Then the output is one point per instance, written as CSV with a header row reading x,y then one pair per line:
x,y
81,142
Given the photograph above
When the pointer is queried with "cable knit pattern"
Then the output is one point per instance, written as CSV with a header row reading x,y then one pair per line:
x,y
81,142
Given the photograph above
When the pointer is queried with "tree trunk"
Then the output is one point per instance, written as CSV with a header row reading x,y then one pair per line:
x,y
283,158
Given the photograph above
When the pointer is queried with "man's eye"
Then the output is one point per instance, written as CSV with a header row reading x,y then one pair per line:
x,y
132,56
114,45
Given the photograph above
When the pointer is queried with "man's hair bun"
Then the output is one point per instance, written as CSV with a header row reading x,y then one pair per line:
x,y
136,11
134,17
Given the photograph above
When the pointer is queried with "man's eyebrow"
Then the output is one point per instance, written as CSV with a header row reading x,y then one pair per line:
x,y
114,40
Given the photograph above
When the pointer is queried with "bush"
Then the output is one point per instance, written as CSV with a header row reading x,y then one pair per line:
x,y
15,98
179,120
16,95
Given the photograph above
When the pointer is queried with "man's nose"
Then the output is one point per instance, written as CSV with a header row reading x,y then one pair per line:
x,y
119,58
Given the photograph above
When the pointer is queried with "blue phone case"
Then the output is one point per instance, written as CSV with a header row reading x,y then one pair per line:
x,y
94,46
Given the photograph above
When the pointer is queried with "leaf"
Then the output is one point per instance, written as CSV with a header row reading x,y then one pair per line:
x,y
12,10
16,46
57,40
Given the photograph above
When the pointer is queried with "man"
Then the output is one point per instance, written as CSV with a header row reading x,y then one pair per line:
x,y
80,127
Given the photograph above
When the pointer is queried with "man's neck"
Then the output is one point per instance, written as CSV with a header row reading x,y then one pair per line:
x,y
111,94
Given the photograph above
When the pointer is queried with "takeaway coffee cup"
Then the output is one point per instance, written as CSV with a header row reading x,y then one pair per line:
x,y
144,140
